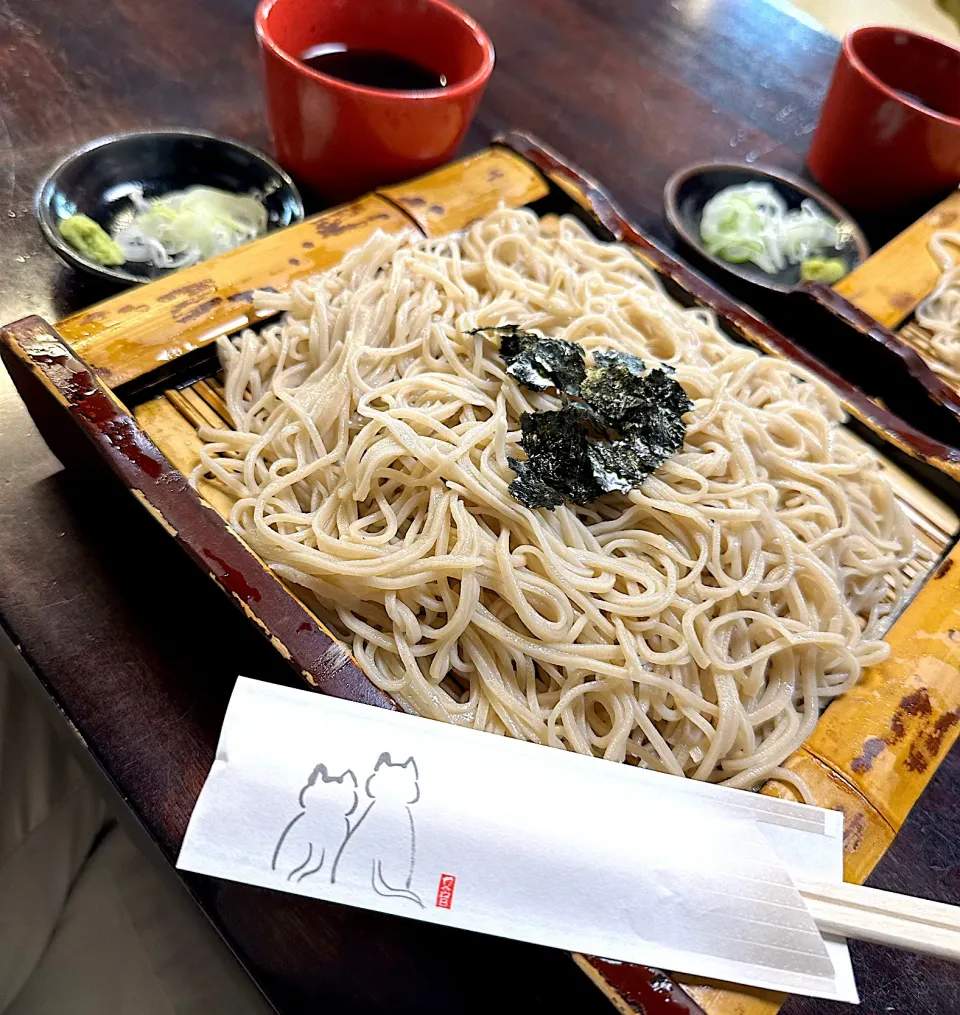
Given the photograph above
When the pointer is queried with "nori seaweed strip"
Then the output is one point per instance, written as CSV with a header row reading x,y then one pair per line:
x,y
613,357
557,464
623,424
614,389
539,363
530,488
621,465
649,407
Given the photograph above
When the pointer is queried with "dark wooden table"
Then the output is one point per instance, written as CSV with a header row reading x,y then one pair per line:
x,y
140,651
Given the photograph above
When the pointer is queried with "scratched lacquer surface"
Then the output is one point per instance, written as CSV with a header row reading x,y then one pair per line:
x,y
871,754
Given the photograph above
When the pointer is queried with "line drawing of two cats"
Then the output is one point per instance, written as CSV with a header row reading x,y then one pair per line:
x,y
339,836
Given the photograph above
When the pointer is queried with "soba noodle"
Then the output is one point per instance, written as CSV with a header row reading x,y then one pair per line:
x,y
939,313
694,626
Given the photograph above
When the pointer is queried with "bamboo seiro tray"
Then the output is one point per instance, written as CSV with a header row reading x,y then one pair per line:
x,y
125,384
890,284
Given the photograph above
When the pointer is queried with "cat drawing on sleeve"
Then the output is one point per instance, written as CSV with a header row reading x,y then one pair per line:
x,y
312,839
380,850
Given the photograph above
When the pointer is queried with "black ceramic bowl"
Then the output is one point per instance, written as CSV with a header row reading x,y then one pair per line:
x,y
96,179
688,190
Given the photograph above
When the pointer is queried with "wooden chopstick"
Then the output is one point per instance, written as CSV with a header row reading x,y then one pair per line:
x,y
885,918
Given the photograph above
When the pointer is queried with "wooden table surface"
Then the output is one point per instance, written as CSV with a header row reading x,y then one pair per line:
x,y
140,651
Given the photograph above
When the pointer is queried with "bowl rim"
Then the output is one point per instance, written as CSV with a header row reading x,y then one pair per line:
x,y
848,46
117,273
671,204
461,88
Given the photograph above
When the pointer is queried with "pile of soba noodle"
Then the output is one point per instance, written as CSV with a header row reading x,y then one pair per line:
x,y
695,626
939,313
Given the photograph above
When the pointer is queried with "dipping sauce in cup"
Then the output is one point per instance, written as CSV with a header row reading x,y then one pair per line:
x,y
889,130
369,92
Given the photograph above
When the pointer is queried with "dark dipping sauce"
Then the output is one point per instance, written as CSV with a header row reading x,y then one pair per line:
x,y
373,68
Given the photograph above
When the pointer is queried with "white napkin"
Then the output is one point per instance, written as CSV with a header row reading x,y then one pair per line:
x,y
367,807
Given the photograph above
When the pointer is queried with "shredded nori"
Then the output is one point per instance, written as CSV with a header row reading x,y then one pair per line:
x,y
618,423
614,387
557,467
613,357
540,363
621,465
659,422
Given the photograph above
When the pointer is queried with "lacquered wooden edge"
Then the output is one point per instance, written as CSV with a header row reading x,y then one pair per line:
x,y
911,361
638,990
738,318
50,377
889,284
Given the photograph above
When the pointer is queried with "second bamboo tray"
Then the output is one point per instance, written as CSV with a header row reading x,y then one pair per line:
x,y
890,285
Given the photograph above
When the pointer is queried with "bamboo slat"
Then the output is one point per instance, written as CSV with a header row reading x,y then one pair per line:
x,y
920,339
176,436
891,283
451,197
887,735
133,333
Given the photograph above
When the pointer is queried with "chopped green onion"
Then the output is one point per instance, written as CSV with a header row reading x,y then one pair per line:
x,y
188,226
751,222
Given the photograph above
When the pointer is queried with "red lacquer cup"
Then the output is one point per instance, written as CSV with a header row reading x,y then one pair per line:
x,y
889,131
346,139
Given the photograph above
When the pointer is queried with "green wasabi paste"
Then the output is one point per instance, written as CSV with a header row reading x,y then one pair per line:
x,y
87,238
823,269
